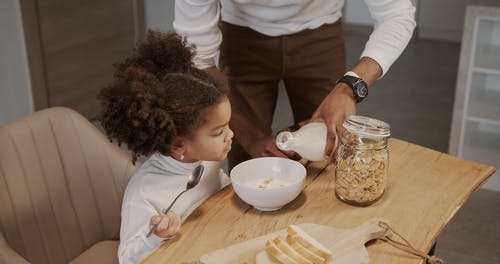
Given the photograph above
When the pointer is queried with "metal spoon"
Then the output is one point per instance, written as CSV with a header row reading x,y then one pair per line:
x,y
193,181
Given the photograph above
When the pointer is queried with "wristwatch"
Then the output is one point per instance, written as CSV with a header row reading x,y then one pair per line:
x,y
358,86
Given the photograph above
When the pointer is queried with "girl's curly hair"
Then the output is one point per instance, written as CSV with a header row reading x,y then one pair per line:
x,y
156,95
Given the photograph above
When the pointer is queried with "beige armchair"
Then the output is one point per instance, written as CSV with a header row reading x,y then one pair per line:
x,y
61,188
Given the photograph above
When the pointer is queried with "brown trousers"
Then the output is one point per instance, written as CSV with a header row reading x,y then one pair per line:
x,y
309,62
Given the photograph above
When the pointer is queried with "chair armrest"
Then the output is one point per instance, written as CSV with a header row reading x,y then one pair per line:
x,y
8,255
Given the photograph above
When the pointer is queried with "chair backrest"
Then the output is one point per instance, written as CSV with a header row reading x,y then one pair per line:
x,y
61,185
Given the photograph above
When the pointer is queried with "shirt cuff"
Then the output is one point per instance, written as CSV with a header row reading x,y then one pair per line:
x,y
382,59
203,63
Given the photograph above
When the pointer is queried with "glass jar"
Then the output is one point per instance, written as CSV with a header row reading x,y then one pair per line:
x,y
362,161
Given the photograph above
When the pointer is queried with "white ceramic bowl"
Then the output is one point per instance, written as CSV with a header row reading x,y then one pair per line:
x,y
251,183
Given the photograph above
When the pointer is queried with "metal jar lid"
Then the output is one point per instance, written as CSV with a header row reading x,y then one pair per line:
x,y
366,126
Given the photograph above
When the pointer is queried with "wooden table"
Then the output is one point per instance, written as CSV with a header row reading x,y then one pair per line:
x,y
425,190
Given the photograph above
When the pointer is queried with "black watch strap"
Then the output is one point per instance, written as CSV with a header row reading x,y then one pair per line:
x,y
358,86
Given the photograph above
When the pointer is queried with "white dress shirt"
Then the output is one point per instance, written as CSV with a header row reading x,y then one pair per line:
x,y
198,21
154,186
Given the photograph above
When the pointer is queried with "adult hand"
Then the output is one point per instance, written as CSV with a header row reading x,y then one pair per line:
x,y
169,224
335,108
340,103
266,147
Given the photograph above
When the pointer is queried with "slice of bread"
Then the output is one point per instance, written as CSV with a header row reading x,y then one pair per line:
x,y
263,257
274,251
288,250
306,253
299,235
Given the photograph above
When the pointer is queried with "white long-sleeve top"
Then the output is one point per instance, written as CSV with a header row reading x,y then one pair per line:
x,y
154,186
198,21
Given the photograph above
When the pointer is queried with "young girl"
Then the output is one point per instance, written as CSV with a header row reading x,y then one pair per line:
x,y
159,104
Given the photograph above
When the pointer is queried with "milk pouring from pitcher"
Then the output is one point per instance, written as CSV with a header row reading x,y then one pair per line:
x,y
309,141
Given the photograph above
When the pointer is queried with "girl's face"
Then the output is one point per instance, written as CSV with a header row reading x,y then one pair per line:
x,y
212,141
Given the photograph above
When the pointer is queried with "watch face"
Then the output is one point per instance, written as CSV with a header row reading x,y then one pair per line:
x,y
361,89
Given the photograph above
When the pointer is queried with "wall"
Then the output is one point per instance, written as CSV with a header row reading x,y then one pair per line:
x,y
439,20
356,12
159,14
15,87
442,20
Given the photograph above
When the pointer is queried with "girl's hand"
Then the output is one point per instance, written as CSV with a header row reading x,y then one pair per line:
x,y
169,224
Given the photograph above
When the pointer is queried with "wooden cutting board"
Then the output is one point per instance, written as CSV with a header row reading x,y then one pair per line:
x,y
347,245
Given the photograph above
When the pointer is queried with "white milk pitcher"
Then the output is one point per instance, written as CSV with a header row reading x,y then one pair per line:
x,y
309,141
